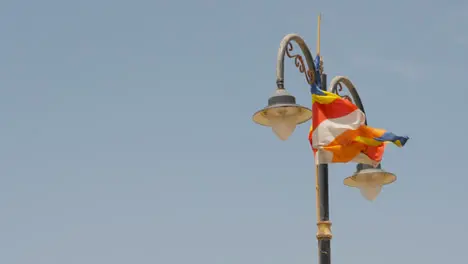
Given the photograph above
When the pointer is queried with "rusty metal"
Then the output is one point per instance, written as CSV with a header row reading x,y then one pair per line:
x,y
338,89
299,61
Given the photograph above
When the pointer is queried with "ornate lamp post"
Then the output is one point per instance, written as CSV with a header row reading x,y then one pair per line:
x,y
283,114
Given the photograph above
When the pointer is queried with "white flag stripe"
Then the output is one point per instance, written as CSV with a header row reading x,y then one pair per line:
x,y
329,129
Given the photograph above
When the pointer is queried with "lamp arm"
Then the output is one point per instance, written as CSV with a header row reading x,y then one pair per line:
x,y
336,86
285,48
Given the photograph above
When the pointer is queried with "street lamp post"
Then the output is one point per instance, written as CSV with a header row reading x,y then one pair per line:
x,y
283,114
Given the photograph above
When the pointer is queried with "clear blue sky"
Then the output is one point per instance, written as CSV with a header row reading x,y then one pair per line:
x,y
126,132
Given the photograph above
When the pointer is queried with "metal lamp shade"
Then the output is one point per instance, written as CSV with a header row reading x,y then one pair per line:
x,y
367,174
284,103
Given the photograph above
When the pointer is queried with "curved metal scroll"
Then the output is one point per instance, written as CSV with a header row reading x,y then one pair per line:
x,y
336,86
285,48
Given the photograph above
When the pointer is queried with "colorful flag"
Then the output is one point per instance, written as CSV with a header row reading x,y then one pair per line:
x,y
339,135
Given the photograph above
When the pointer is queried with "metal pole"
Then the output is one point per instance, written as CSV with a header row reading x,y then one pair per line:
x,y
324,234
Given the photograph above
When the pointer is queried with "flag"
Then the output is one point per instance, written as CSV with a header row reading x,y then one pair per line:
x,y
338,133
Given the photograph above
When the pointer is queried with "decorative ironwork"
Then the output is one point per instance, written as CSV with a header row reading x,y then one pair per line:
x,y
336,86
347,98
299,61
339,88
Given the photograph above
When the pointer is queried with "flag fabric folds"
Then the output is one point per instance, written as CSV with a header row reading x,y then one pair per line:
x,y
338,133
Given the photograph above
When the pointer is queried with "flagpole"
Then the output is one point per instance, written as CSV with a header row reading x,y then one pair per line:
x,y
317,185
318,34
324,234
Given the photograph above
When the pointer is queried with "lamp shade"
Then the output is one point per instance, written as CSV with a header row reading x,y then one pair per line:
x,y
369,180
282,114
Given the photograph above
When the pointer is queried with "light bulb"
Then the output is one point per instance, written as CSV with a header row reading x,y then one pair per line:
x,y
283,122
370,192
